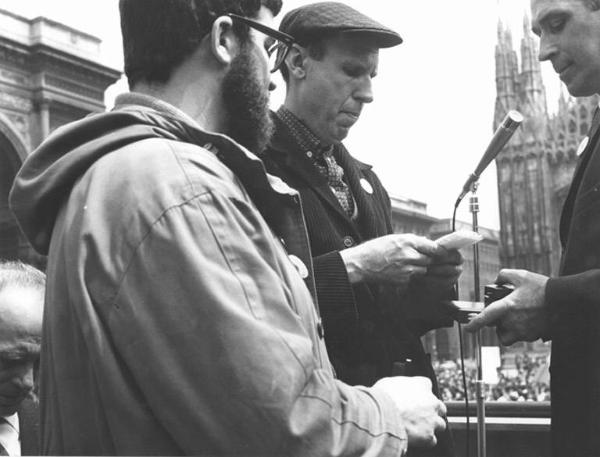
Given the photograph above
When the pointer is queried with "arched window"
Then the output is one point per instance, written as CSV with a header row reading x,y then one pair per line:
x,y
13,151
9,232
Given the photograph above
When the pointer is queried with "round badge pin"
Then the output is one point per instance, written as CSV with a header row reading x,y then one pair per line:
x,y
299,264
583,145
366,185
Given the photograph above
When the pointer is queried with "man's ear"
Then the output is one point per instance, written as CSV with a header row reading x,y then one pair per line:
x,y
224,44
296,62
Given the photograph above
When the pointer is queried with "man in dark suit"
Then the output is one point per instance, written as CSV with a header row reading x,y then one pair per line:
x,y
21,307
566,309
366,278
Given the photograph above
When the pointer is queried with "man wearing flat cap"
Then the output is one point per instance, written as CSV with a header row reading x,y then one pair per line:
x,y
369,281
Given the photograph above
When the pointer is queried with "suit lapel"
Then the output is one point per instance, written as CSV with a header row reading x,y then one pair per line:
x,y
368,219
582,165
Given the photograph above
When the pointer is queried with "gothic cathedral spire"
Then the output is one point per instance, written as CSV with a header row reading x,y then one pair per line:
x,y
524,176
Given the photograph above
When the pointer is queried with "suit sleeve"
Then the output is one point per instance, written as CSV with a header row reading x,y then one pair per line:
x,y
335,294
210,328
425,310
578,293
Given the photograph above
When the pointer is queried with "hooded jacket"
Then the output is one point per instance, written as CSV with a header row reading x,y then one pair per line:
x,y
175,321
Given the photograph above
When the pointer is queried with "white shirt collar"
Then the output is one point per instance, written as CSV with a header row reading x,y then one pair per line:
x,y
13,420
10,438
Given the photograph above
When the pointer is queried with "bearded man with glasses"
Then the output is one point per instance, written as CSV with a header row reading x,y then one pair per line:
x,y
179,305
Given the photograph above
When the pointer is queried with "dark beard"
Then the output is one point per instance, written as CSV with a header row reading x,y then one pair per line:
x,y
246,101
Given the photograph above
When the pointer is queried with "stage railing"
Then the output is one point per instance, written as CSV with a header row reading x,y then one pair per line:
x,y
513,429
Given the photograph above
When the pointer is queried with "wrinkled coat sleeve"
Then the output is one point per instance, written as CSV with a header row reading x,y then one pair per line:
x,y
211,323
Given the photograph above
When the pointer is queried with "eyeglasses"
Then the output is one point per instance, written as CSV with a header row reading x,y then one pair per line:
x,y
276,50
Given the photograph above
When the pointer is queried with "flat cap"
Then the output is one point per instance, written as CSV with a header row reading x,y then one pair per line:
x,y
308,21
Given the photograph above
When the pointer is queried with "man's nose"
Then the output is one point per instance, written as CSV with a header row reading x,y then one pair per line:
x,y
547,48
23,380
364,92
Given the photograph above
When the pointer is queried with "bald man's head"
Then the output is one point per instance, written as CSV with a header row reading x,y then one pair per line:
x,y
21,310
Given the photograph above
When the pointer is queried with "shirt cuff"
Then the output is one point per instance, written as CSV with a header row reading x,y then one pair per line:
x,y
392,419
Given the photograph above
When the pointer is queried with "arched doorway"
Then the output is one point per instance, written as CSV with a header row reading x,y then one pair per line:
x,y
12,153
9,232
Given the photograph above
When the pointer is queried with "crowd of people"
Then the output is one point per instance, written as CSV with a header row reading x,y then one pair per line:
x,y
524,379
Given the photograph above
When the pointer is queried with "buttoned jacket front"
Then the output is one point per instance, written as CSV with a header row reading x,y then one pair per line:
x,y
365,326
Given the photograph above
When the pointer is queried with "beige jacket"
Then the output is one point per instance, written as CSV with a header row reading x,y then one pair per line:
x,y
175,322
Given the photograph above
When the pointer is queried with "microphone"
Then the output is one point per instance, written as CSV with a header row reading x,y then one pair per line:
x,y
504,132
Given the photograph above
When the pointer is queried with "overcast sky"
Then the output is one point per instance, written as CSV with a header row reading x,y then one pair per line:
x,y
434,96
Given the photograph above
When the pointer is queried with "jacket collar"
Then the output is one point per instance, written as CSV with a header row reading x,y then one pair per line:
x,y
285,151
246,165
288,152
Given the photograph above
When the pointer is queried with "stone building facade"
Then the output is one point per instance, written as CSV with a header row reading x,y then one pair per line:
x,y
49,75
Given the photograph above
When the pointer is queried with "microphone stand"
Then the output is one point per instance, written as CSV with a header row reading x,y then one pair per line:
x,y
480,387
504,132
